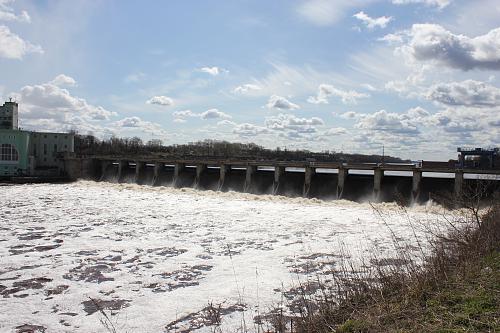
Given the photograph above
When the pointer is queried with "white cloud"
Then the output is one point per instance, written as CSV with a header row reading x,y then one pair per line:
x,y
246,88
138,125
335,131
249,130
436,3
48,106
384,121
283,122
372,23
214,114
466,93
349,115
160,100
7,13
281,103
214,71
180,116
14,47
326,90
63,81
432,42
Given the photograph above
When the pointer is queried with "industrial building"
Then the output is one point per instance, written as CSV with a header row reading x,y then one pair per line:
x,y
479,158
28,153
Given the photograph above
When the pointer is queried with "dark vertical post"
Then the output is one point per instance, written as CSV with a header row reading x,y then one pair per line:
x,y
279,171
247,188
342,176
200,169
309,172
178,169
156,175
224,170
139,168
415,189
378,174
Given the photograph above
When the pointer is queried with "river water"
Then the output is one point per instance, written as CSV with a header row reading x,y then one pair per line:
x,y
154,257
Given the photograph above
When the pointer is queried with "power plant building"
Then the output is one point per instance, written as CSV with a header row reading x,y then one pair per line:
x,y
28,153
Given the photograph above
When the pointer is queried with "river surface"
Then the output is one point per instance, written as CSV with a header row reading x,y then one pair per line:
x,y
154,257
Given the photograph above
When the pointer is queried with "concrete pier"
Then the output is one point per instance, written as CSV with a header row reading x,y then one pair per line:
x,y
178,169
224,170
378,175
121,166
104,167
139,169
247,188
309,173
156,173
342,176
459,183
279,171
416,184
200,169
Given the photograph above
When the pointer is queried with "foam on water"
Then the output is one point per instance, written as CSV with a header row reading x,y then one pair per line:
x,y
154,255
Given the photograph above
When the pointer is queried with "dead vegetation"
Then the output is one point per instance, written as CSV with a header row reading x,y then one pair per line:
x,y
452,286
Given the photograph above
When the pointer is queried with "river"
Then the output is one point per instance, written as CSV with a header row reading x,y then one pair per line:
x,y
154,257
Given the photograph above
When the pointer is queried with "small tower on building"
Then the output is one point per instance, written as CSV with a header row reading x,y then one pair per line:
x,y
9,115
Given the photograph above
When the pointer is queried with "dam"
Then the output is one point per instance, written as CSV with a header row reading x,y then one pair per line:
x,y
310,179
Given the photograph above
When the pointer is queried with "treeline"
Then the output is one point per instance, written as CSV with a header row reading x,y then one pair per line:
x,y
89,145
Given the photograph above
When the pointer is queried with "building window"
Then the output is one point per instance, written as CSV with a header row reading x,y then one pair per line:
x,y
45,149
55,148
34,150
8,152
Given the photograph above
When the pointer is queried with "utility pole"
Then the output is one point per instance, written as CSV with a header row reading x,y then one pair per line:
x,y
383,153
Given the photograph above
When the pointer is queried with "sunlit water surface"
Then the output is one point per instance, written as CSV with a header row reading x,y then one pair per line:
x,y
155,257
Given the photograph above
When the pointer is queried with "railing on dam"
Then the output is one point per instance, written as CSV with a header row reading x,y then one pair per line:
x,y
299,178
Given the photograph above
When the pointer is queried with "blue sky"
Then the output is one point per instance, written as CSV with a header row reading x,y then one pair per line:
x,y
416,76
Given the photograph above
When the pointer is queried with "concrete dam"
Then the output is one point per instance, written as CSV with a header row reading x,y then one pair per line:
x,y
323,180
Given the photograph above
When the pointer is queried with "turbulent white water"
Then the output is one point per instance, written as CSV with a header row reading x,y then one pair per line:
x,y
155,255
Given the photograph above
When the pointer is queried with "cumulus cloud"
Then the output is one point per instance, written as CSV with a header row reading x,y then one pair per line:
x,y
335,131
63,81
214,71
349,115
284,122
139,125
14,47
214,114
384,121
48,106
160,100
281,103
246,88
436,3
180,116
468,93
7,13
432,42
326,90
371,22
249,130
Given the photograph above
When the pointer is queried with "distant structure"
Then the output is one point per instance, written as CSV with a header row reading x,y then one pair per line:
x,y
27,153
479,158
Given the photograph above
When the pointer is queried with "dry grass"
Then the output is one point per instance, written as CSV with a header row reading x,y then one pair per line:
x,y
453,288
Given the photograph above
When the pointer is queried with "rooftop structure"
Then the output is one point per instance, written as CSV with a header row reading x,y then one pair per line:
x,y
9,115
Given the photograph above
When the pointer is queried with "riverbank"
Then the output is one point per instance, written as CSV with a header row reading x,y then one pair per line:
x,y
456,289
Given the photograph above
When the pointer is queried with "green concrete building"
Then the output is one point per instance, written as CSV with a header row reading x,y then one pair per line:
x,y
27,153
